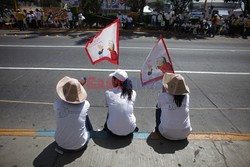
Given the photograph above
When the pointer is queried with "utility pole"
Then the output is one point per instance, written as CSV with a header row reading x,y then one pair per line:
x,y
15,5
205,6
125,2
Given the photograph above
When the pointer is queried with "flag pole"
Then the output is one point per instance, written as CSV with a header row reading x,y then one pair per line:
x,y
118,35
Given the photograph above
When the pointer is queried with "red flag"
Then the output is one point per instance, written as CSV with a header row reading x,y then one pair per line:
x,y
105,45
157,63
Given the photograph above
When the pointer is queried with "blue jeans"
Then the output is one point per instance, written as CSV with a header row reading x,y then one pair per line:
x,y
157,118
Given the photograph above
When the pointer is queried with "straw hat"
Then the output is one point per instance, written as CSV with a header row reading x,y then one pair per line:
x,y
70,90
175,84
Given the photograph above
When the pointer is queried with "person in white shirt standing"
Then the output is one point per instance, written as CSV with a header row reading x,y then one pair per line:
x,y
73,125
81,18
120,100
39,18
172,113
70,19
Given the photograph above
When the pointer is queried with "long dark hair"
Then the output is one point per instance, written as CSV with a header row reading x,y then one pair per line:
x,y
127,88
178,100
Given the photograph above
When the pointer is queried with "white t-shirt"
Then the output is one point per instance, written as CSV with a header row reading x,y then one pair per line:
x,y
39,16
175,121
167,16
121,120
71,132
160,17
130,19
70,16
119,16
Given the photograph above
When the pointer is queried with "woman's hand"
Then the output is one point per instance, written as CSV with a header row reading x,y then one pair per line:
x,y
83,81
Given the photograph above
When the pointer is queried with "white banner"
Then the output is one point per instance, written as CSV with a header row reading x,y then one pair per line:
x,y
157,63
105,45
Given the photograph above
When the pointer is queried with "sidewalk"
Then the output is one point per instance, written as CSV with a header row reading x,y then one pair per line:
x,y
106,150
91,32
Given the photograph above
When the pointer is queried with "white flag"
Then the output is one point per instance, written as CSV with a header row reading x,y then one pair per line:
x,y
157,63
105,45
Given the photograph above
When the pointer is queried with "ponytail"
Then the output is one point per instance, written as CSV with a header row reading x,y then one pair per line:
x,y
127,89
178,100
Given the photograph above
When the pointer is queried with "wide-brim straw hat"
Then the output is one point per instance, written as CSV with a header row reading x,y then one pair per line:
x,y
70,90
175,84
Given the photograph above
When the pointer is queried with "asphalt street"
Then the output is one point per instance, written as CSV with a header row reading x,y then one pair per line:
x,y
216,70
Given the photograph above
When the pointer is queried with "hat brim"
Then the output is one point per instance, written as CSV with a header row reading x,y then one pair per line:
x,y
120,75
59,89
112,74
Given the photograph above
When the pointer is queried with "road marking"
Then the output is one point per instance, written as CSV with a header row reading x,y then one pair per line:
x,y
130,47
111,70
218,136
47,103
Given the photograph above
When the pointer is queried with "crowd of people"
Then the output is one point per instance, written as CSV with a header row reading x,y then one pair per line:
x,y
126,21
183,23
204,25
39,18
172,118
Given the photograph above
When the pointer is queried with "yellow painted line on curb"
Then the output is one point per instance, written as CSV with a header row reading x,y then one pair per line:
x,y
218,136
17,132
214,136
210,136
25,102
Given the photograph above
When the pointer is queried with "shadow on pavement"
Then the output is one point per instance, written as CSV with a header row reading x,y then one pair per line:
x,y
164,146
110,141
49,157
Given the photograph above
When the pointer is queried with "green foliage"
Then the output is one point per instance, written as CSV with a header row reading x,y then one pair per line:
x,y
180,6
136,6
50,3
100,20
7,3
157,5
91,6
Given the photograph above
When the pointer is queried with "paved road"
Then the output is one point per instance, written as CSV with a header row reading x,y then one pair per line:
x,y
211,93
216,70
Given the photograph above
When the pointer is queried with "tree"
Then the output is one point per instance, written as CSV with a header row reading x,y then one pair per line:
x,y
91,6
157,5
50,3
246,5
136,6
179,6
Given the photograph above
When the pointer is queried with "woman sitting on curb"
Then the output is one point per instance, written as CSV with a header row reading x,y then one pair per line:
x,y
120,101
73,125
172,113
